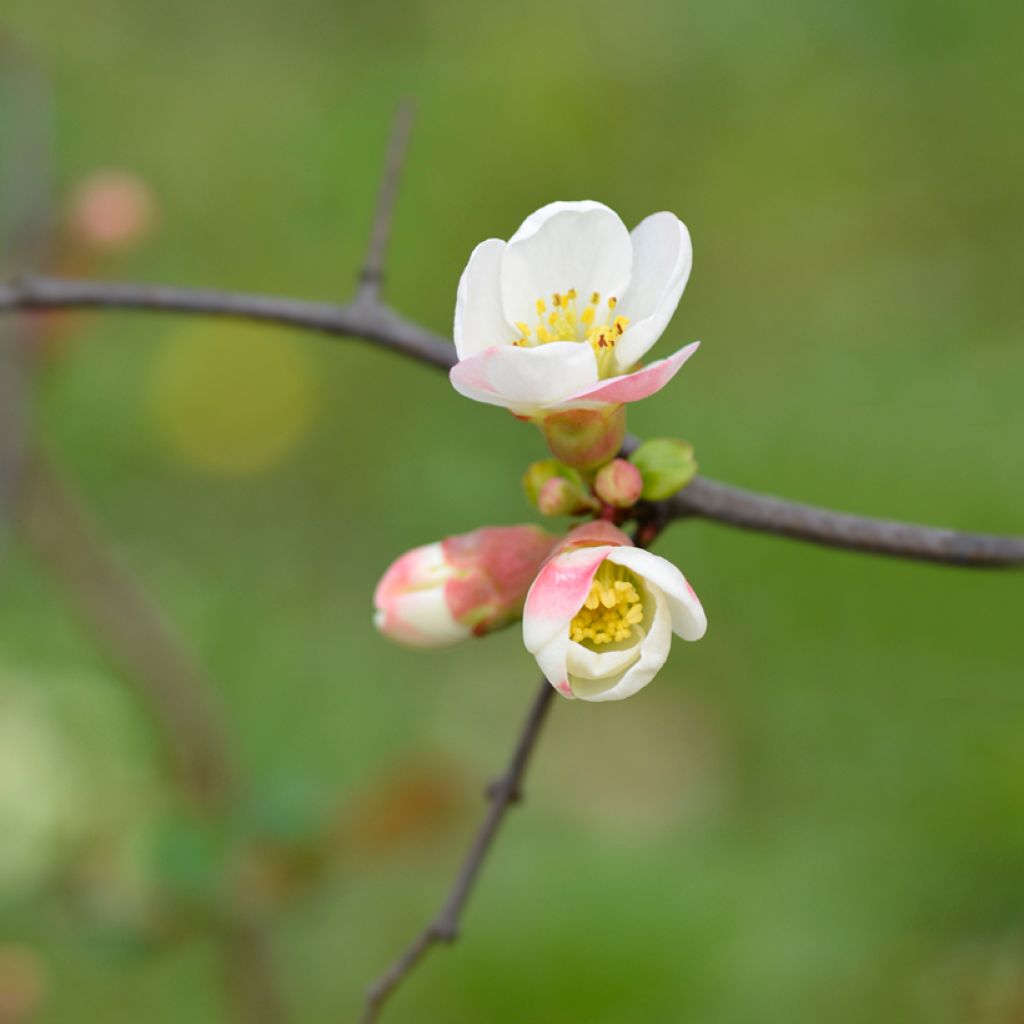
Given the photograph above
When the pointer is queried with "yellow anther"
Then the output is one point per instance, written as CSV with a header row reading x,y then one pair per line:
x,y
556,299
524,330
595,298
543,334
611,610
571,293
540,307
621,323
613,302
587,316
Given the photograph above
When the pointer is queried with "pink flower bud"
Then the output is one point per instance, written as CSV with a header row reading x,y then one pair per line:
x,y
467,585
619,483
561,497
112,210
585,438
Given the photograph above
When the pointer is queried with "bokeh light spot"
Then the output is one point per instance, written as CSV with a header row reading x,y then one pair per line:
x,y
232,399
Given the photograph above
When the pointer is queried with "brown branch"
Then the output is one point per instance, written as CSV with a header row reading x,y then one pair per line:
x,y
368,321
378,323
444,928
749,510
371,278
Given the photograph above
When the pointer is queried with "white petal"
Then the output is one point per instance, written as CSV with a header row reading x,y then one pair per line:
x,y
662,258
654,650
479,318
526,379
584,662
421,618
688,618
564,245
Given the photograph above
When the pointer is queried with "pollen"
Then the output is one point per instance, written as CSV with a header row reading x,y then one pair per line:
x,y
612,608
566,322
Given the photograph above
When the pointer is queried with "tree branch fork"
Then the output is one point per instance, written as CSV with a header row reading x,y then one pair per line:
x,y
369,318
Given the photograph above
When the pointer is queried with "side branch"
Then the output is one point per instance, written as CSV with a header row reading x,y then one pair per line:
x,y
445,927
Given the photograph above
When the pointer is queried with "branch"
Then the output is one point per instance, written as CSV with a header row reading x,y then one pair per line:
x,y
368,321
505,791
371,278
378,323
749,510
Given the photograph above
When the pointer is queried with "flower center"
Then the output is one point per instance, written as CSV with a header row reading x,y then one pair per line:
x,y
611,610
594,324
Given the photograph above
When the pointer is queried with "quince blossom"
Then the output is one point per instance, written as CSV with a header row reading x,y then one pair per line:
x,y
463,586
600,615
558,317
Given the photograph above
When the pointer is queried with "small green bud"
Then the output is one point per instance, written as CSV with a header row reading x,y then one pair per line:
x,y
619,483
539,473
666,466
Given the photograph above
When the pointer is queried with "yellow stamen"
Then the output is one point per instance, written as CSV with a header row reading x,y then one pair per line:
x,y
613,302
611,610
540,307
524,330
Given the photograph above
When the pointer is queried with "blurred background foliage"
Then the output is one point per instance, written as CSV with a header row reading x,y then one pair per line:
x,y
817,812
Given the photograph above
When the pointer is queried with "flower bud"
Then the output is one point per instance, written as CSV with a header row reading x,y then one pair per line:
x,y
666,465
561,497
619,483
467,585
585,438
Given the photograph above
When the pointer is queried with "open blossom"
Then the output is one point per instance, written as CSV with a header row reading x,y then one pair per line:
x,y
600,616
467,585
559,316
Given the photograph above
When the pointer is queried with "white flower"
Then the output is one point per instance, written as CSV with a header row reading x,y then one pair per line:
x,y
559,316
600,615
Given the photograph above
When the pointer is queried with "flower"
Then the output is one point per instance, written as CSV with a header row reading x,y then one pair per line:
x,y
441,593
600,615
559,316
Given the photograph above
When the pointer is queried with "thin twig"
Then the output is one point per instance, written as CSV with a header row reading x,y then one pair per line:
x,y
122,616
371,278
381,325
444,928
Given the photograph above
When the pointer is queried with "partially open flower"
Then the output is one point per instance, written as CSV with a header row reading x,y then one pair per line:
x,y
441,593
600,616
559,316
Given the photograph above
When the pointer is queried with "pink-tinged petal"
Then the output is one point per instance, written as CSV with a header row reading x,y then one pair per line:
x,y
662,259
633,386
564,245
557,595
688,618
479,321
526,379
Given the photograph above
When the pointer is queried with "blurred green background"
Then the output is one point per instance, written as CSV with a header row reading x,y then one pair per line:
x,y
817,813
